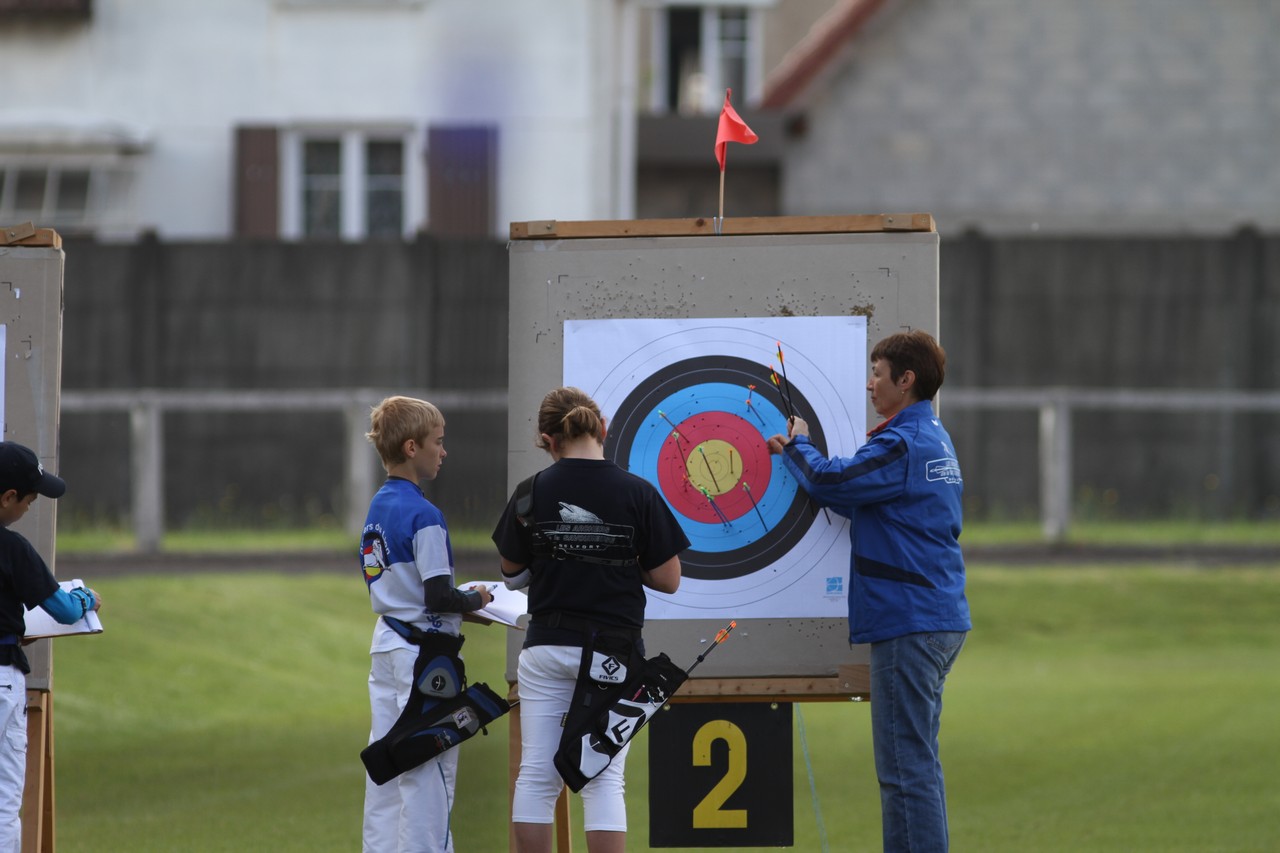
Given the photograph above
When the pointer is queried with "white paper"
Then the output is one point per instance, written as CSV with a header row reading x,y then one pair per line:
x,y
40,624
507,606
826,363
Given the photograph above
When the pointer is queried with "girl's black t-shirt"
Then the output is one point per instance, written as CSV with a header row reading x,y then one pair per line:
x,y
592,507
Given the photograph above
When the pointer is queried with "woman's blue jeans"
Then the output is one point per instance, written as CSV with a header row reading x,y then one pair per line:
x,y
907,674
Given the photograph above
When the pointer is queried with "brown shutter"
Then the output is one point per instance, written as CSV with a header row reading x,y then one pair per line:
x,y
257,201
47,9
461,180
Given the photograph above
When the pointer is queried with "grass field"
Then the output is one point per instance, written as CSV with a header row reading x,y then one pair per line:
x,y
1113,708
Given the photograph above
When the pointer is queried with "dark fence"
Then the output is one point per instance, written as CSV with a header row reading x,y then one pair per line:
x,y
1141,313
427,314
1123,312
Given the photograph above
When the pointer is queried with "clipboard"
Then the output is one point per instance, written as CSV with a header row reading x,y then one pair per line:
x,y
40,625
507,606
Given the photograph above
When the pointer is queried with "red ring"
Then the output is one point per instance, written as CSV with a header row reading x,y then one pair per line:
x,y
683,445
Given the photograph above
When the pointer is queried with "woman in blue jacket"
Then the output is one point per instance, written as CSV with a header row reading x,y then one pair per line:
x,y
902,492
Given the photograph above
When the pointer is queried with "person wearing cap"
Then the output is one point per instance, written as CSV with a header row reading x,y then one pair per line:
x,y
25,582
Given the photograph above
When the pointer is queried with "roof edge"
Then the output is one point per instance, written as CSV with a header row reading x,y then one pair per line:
x,y
815,52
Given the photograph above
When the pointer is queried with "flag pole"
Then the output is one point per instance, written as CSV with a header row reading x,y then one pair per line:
x,y
721,219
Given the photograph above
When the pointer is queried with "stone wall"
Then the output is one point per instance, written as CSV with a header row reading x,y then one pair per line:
x,y
1086,116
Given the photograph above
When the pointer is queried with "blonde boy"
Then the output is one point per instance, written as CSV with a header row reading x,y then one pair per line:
x,y
407,562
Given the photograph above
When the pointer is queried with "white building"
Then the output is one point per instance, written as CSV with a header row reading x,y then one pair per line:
x,y
372,118
291,118
382,118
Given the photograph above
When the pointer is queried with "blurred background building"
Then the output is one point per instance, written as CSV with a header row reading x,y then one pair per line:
x,y
313,194
306,119
355,119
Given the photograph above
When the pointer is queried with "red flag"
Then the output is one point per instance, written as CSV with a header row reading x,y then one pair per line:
x,y
732,129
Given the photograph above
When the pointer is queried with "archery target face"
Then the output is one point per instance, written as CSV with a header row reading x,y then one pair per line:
x,y
690,406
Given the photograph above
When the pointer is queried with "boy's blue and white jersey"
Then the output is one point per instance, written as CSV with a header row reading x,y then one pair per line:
x,y
405,542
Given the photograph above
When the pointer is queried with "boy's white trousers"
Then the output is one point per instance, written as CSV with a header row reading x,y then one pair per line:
x,y
411,813
13,755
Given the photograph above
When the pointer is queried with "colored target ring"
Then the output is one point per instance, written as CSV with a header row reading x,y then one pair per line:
x,y
695,430
713,456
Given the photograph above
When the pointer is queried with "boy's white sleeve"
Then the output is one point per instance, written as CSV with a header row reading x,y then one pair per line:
x,y
431,552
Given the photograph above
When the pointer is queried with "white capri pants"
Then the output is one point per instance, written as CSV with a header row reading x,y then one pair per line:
x,y
546,677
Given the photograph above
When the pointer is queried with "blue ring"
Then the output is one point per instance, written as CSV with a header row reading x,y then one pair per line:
x,y
651,436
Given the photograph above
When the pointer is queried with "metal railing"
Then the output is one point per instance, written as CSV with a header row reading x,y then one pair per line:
x,y
1056,406
147,407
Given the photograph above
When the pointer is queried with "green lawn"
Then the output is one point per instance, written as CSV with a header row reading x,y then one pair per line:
x,y
1113,708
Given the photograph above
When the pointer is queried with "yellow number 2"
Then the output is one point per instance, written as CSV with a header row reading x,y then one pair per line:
x,y
708,814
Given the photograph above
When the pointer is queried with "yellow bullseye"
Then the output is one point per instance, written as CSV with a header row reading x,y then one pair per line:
x,y
714,466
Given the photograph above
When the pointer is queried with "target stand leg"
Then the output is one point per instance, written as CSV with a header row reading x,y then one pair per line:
x,y
37,794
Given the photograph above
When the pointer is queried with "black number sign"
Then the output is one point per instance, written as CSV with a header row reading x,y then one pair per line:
x,y
720,775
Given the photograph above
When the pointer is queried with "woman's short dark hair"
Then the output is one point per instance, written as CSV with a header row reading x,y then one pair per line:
x,y
918,352
570,413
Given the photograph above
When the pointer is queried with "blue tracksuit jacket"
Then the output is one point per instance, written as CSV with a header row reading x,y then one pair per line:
x,y
902,492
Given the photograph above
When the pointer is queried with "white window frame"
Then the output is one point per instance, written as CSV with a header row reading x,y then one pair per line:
x,y
107,194
710,52
352,141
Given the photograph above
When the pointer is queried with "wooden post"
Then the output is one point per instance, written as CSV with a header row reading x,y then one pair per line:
x,y
37,795
564,823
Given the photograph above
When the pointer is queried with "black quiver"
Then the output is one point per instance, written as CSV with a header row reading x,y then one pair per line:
x,y
603,718
441,712
439,727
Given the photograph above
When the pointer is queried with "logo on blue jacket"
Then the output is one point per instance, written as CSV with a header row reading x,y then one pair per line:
x,y
947,470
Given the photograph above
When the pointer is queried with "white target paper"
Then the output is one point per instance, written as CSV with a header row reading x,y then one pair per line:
x,y
681,414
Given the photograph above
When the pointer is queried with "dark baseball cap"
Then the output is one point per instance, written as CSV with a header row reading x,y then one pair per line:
x,y
20,469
